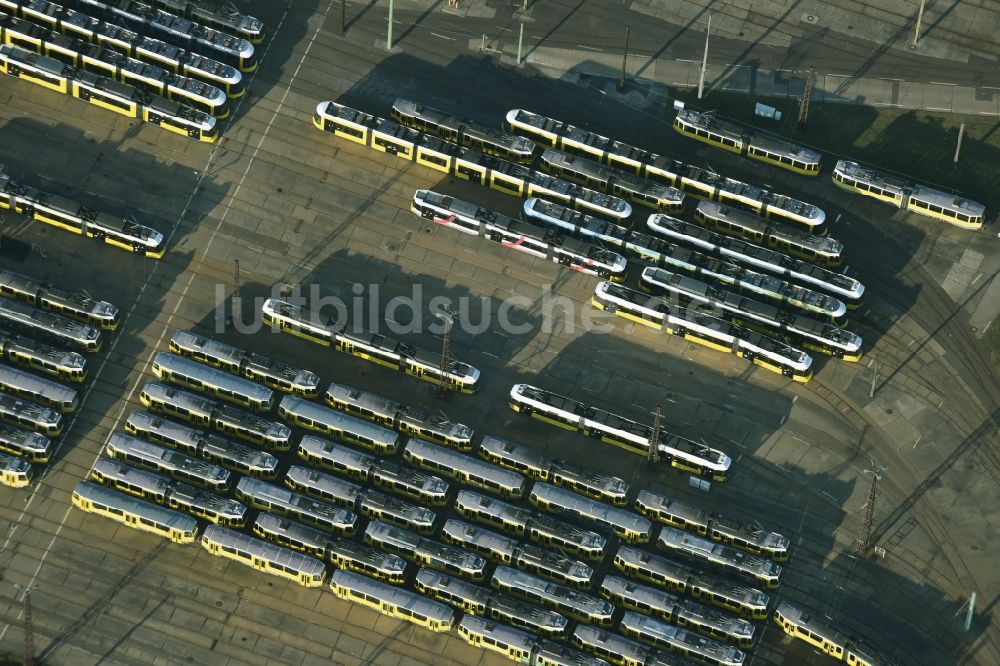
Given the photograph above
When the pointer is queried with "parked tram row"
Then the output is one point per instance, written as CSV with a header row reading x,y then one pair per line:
x,y
571,485
354,339
81,48
346,524
765,246
769,334
767,243
514,610
889,188
447,561
76,218
760,332
344,425
112,64
479,165
334,506
468,543
223,35
512,602
374,422
422,131
766,335
265,496
33,407
543,232
147,48
661,187
730,200
604,517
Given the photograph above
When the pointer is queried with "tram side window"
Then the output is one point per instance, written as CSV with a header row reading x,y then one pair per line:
x,y
17,71
471,226
489,483
503,184
517,464
344,129
125,105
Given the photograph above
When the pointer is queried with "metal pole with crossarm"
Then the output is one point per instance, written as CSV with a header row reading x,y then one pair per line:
x,y
237,303
864,547
448,319
654,438
29,627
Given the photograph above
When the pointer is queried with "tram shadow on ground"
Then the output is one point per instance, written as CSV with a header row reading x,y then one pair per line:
x,y
549,362
129,185
277,49
809,501
605,371
804,506
370,294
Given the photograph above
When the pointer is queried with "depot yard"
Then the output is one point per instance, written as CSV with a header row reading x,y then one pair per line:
x,y
297,206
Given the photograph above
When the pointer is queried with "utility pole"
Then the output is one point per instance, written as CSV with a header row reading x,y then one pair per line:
x,y
520,41
29,628
958,146
871,391
865,539
920,18
237,304
343,17
970,609
388,39
806,96
654,438
621,81
704,59
448,318
29,631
